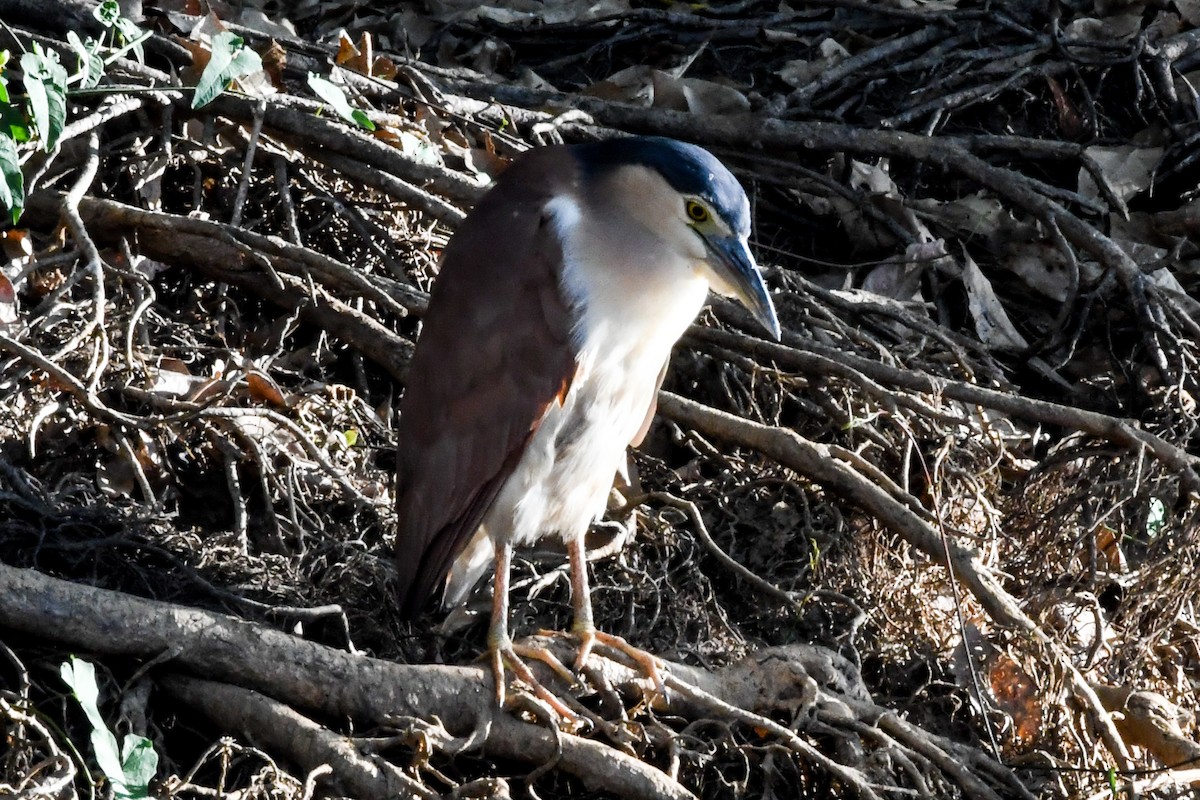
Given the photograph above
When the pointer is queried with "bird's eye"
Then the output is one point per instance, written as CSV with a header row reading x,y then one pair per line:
x,y
696,211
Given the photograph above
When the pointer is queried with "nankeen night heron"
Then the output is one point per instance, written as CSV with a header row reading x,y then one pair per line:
x,y
546,340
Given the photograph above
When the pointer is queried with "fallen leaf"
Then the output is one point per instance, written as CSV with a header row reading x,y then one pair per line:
x,y
44,281
1108,544
801,72
8,301
274,60
362,58
1070,121
1128,170
264,390
1017,695
992,324
17,244
1189,10
256,20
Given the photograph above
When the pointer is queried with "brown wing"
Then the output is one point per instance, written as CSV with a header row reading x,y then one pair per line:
x,y
494,352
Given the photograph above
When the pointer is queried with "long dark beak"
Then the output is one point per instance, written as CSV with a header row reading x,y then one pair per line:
x,y
734,265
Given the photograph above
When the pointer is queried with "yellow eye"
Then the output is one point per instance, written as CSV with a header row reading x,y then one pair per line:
x,y
696,211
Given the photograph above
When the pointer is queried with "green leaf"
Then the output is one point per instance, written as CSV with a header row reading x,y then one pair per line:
x,y
351,436
91,66
1156,518
230,60
108,757
130,768
46,86
333,96
13,123
140,763
12,188
4,56
133,36
108,12
81,677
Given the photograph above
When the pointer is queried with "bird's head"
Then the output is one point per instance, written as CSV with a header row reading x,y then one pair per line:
x,y
698,206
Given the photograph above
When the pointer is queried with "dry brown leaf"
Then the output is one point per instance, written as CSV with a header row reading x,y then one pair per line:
x,y
172,378
1017,695
1070,121
362,59
1110,28
697,95
256,20
526,12
645,86
44,281
200,57
8,301
274,60
17,244
1189,10
801,72
264,390
208,389
992,324
1128,170
1108,544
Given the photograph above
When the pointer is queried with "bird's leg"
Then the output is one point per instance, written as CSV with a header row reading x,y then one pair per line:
x,y
584,626
501,649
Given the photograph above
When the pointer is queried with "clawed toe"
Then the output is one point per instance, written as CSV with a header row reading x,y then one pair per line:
x,y
507,655
650,665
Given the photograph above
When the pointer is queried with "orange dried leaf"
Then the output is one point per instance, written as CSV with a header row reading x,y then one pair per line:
x,y
274,59
1070,122
200,58
44,281
383,67
263,389
346,49
1109,545
17,244
361,59
1017,695
8,300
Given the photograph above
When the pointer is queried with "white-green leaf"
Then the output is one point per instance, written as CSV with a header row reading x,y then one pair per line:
x,y
91,65
108,757
4,57
46,87
12,187
107,13
130,768
133,36
230,60
1156,518
139,763
81,677
333,96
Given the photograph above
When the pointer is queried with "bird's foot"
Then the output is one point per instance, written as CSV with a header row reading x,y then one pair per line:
x,y
651,665
506,654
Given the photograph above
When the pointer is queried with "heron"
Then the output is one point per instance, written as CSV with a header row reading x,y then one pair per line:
x,y
547,336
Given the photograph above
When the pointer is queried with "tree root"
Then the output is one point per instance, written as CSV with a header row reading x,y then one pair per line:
x,y
818,691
